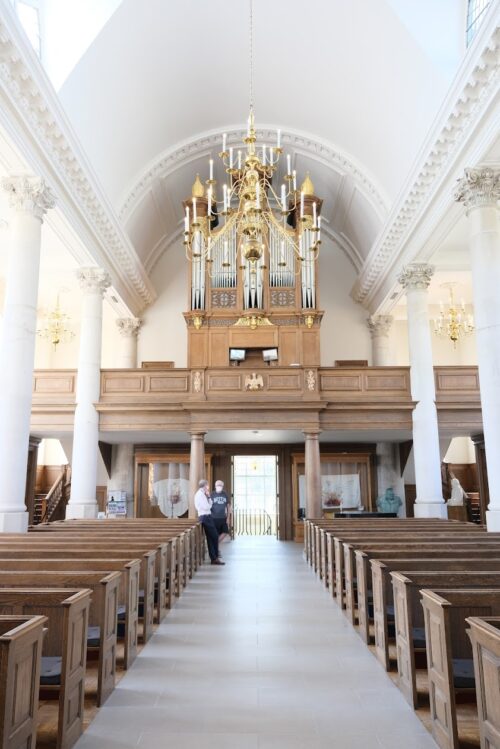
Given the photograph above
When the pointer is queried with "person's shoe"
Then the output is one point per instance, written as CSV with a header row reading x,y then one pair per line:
x,y
218,561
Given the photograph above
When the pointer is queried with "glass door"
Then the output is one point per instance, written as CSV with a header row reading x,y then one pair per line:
x,y
255,495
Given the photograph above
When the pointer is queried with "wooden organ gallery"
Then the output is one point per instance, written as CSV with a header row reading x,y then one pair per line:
x,y
253,262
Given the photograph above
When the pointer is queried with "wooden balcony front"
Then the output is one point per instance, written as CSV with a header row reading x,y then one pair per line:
x,y
267,397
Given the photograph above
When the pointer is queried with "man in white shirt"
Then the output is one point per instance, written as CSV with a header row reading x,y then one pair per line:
x,y
203,505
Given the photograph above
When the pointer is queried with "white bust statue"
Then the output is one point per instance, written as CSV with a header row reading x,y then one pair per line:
x,y
457,493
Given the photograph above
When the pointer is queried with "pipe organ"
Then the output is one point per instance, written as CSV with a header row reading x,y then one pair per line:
x,y
253,280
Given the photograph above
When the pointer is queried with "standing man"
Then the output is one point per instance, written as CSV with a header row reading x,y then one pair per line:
x,y
203,505
220,510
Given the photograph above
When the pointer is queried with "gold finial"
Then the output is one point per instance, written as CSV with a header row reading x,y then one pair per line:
x,y
307,186
197,191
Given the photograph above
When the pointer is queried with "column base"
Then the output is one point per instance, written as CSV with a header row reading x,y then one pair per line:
x,y
430,510
493,521
81,511
14,522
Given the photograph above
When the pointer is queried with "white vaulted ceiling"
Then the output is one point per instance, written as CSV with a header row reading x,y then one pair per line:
x,y
353,90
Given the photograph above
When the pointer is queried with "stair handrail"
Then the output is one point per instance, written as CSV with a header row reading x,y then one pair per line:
x,y
56,494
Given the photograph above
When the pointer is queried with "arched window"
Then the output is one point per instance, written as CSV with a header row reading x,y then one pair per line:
x,y
476,10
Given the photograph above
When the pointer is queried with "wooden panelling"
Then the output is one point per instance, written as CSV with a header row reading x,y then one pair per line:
x,y
253,338
223,381
456,383
288,350
54,382
284,381
122,384
219,348
310,347
340,381
176,384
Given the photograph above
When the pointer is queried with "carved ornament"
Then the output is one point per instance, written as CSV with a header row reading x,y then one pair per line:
x,y
29,194
93,280
128,326
379,325
478,187
253,322
416,276
254,382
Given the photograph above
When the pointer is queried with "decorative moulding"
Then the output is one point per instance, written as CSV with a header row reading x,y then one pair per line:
x,y
476,84
182,154
34,119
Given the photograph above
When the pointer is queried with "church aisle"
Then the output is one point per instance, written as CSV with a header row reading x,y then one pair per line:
x,y
255,655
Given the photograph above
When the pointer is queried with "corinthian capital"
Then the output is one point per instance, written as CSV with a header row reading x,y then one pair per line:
x,y
379,325
29,194
478,187
416,276
93,280
128,326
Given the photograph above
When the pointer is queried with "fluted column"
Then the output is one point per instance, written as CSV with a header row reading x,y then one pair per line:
x,y
196,467
313,475
379,327
30,199
429,501
83,503
479,191
129,331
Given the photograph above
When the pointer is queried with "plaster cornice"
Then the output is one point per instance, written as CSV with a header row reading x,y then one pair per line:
x,y
475,87
208,143
33,117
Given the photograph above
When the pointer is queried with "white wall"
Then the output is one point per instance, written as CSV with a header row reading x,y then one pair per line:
x,y
443,352
344,333
163,334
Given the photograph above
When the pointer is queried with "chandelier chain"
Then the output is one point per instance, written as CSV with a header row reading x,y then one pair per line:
x,y
251,54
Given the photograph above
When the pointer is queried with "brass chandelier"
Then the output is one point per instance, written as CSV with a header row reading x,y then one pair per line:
x,y
55,326
252,209
453,323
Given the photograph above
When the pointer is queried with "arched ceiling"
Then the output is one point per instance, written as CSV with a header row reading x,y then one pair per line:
x,y
348,84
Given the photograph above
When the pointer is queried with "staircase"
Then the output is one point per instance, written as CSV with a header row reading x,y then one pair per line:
x,y
473,507
52,506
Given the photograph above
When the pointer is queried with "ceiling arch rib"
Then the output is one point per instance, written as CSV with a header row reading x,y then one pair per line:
x,y
354,205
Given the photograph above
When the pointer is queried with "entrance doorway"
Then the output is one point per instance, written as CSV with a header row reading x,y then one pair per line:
x,y
255,495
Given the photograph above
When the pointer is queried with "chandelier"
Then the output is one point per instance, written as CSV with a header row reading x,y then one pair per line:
x,y
251,217
55,326
453,323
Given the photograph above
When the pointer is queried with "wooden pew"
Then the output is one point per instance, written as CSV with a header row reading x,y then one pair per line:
x,y
483,550
411,538
102,612
484,635
128,592
409,613
67,615
385,591
21,640
449,653
170,561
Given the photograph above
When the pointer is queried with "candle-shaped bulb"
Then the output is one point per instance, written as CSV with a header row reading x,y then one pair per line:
x,y
231,157
187,216
211,169
294,175
224,190
239,161
288,164
263,155
194,210
278,143
301,204
283,198
224,142
315,215
209,198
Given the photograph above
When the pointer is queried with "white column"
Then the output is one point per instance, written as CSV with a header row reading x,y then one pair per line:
x,y
30,198
129,330
379,327
479,190
312,470
83,503
429,501
196,467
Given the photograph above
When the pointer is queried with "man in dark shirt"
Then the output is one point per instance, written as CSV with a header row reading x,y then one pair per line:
x,y
220,510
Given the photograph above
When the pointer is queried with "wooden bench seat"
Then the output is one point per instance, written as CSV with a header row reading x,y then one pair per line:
x,y
408,613
364,586
65,643
411,540
450,663
21,640
102,612
484,634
